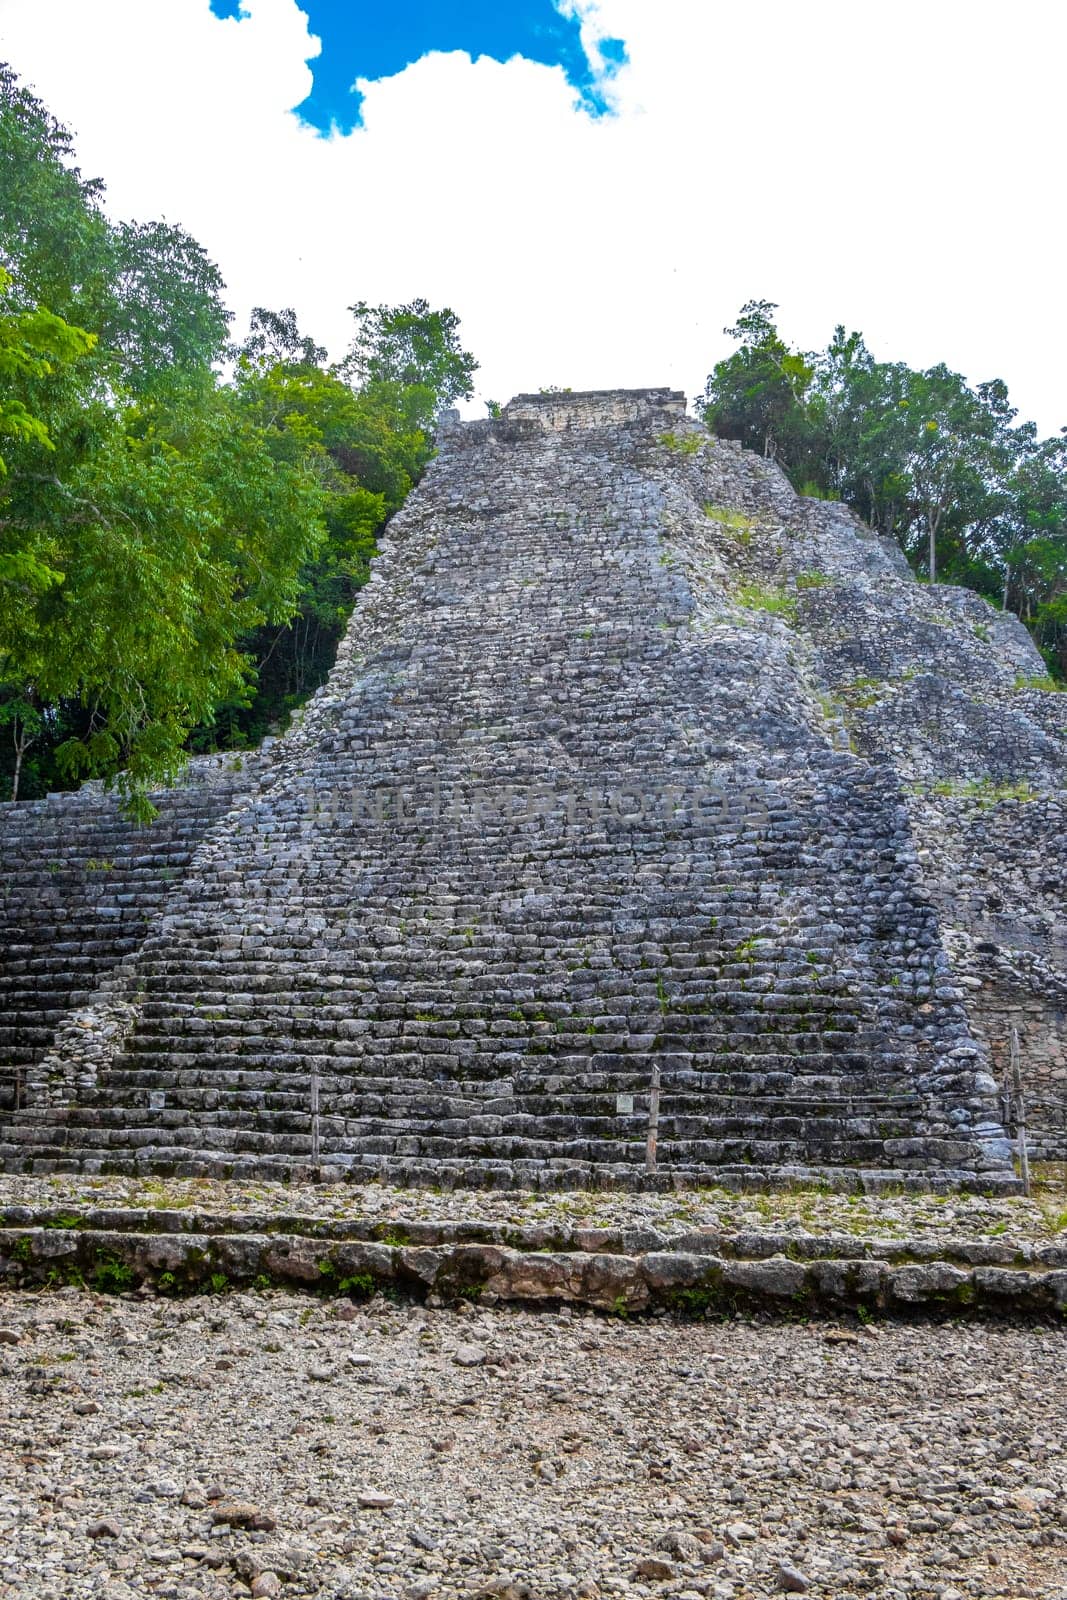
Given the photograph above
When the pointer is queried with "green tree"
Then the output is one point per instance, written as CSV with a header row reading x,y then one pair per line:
x,y
409,357
312,421
948,450
1028,543
33,345
162,312
174,536
275,339
54,238
757,395
362,429
146,524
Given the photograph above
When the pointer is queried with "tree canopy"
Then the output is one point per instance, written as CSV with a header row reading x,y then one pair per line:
x,y
178,550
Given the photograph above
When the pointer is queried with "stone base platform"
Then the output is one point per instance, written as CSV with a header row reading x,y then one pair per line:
x,y
692,1253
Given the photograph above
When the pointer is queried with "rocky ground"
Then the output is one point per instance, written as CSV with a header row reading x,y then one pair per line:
x,y
278,1445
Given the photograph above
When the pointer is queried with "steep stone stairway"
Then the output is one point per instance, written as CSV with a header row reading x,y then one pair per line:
x,y
79,885
567,834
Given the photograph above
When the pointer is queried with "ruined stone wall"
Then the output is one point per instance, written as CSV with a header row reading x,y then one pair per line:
x,y
942,687
1001,886
564,410
577,814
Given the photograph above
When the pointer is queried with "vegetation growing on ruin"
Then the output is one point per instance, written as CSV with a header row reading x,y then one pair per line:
x,y
686,444
735,523
758,597
983,790
1045,682
973,496
862,693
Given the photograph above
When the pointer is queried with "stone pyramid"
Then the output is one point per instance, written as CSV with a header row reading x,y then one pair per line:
x,y
585,866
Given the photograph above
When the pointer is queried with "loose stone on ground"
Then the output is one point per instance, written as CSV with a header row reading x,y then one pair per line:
x,y
586,1457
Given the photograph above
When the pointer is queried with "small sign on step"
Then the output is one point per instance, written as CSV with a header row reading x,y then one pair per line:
x,y
624,1104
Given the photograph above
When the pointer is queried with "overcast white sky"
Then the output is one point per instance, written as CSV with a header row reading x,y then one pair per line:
x,y
896,165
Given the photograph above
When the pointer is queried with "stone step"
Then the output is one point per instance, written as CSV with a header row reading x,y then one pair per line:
x,y
739,1075
491,1097
80,887
739,1142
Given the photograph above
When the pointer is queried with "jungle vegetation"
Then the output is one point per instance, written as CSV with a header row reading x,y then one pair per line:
x,y
184,520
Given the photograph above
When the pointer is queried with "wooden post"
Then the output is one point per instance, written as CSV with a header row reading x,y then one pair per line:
x,y
653,1119
1007,1109
1020,1111
314,1116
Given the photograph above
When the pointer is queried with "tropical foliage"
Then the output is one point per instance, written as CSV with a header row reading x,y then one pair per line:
x,y
178,551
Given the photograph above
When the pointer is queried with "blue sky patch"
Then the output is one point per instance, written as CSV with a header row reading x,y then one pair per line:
x,y
364,40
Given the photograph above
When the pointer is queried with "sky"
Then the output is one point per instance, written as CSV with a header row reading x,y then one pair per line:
x,y
596,186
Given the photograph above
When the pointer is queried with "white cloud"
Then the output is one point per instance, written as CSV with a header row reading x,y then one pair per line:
x,y
891,165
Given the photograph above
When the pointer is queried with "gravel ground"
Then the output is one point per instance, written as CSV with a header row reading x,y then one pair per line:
x,y
392,1450
948,1217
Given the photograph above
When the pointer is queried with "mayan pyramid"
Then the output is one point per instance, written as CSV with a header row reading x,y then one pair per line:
x,y
636,837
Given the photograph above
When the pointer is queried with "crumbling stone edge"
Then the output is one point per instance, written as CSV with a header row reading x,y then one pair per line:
x,y
556,1236
687,1283
542,1177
